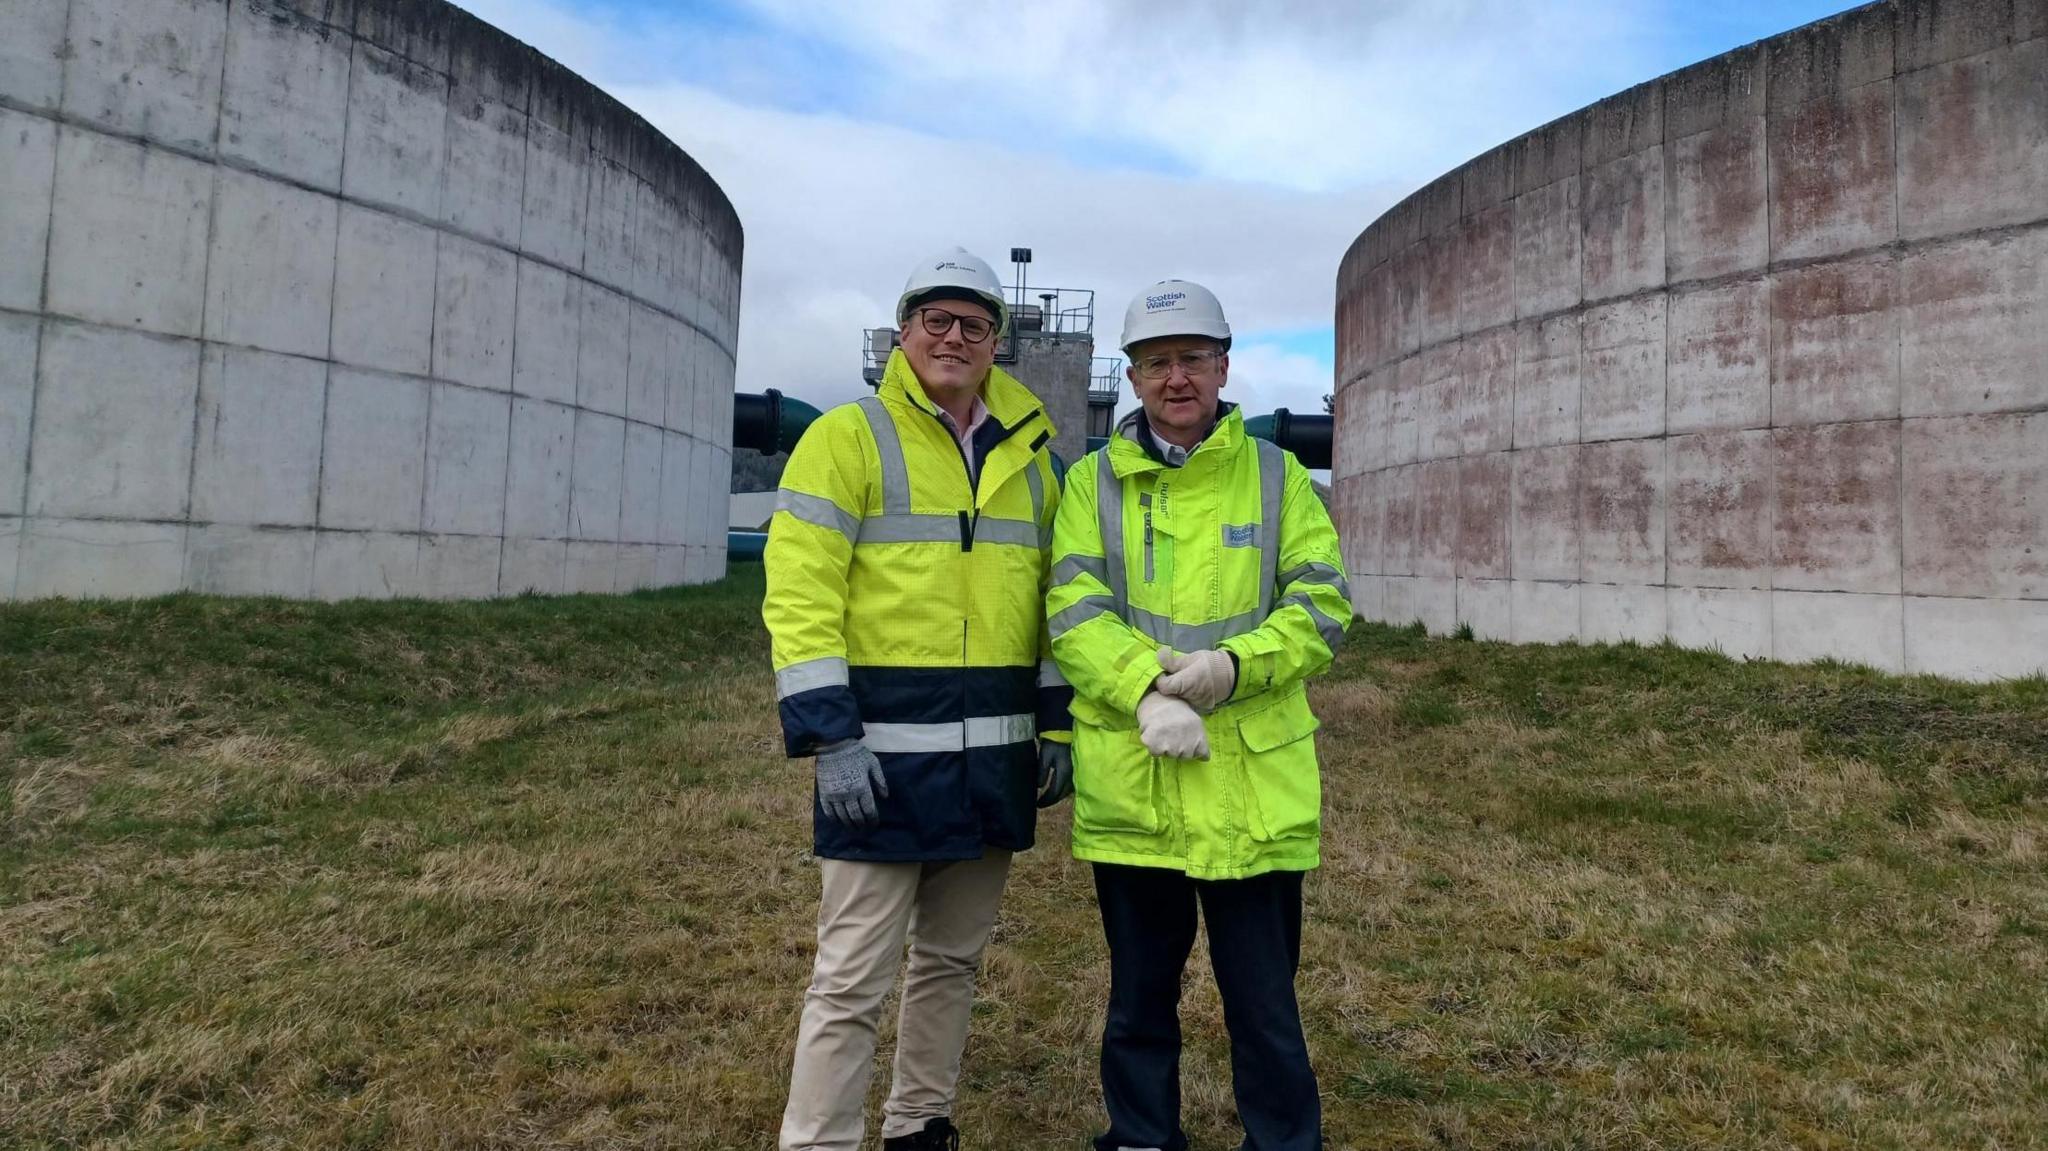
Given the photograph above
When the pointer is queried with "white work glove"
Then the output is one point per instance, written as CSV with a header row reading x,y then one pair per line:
x,y
848,777
1170,727
1204,678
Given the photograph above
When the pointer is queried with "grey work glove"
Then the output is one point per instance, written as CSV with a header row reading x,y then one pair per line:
x,y
1169,727
848,777
1204,678
1055,771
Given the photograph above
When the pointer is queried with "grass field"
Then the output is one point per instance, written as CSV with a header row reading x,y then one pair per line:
x,y
533,873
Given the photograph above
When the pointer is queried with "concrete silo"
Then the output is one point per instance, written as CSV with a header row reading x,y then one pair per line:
x,y
347,298
1752,356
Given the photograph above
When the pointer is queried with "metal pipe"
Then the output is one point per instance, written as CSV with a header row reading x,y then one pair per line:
x,y
1308,437
769,422
744,546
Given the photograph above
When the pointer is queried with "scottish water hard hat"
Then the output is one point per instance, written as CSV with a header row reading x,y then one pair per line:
x,y
955,274
1174,308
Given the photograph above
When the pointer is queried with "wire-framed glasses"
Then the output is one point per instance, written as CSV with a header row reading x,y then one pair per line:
x,y
1191,362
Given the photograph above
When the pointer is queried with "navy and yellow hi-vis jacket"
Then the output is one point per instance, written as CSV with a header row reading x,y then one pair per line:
x,y
906,607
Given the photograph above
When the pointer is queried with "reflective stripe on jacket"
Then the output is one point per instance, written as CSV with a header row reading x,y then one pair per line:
x,y
905,605
1232,550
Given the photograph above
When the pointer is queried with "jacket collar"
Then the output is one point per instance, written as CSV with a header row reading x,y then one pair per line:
x,y
1135,449
1025,429
1009,402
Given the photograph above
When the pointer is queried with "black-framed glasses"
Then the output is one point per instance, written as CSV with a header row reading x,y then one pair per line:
x,y
938,321
1193,362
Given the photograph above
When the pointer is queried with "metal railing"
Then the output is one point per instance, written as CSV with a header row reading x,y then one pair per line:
x,y
876,344
1106,379
1055,311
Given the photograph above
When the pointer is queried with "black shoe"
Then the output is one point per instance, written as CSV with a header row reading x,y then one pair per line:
x,y
938,1135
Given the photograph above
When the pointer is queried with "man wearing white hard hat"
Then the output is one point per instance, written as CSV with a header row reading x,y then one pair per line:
x,y
906,567
1196,584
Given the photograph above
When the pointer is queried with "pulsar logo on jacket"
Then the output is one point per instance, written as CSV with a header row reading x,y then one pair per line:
x,y
1154,303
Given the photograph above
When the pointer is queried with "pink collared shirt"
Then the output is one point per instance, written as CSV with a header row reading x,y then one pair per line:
x,y
976,416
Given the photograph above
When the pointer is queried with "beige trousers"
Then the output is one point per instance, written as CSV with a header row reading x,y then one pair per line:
x,y
947,910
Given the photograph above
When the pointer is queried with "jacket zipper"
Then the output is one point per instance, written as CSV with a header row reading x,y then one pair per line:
x,y
967,521
970,520
1145,501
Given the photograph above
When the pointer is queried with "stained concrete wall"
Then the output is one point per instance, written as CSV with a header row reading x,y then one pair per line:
x,y
1055,365
347,298
1753,356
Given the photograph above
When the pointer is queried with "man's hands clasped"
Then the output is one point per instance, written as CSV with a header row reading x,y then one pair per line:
x,y
1169,727
1204,678
1169,717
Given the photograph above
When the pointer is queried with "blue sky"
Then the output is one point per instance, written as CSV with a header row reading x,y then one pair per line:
x,y
1241,145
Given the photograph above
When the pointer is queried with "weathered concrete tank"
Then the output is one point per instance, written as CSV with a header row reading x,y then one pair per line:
x,y
1753,356
347,298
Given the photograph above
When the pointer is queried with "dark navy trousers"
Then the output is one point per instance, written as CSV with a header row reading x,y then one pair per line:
x,y
1148,917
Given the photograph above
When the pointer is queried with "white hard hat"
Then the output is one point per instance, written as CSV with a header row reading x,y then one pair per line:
x,y
953,274
1174,308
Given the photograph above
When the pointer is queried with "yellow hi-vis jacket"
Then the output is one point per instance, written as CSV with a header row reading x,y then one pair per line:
x,y
906,607
1231,550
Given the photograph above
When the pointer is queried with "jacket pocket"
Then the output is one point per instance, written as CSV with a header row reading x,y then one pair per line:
x,y
1116,782
1281,777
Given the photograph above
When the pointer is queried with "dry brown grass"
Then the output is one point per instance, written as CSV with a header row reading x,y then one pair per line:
x,y
536,875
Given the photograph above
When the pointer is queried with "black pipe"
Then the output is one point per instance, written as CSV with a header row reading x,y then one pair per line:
x,y
769,422
756,420
1308,437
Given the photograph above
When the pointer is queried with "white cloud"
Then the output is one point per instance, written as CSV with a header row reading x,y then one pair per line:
x,y
1264,377
1314,95
836,211
1242,146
